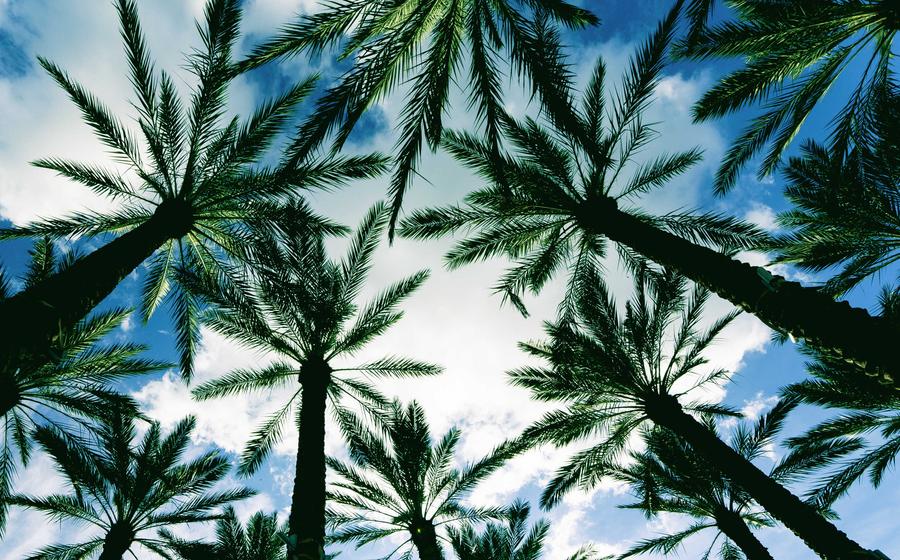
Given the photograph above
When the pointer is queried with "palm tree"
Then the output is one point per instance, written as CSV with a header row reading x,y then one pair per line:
x,y
403,482
511,540
556,201
670,477
794,52
424,44
616,374
259,540
867,406
126,490
299,307
846,213
186,197
74,385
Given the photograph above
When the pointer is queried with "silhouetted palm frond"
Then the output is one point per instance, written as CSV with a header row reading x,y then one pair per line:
x,y
794,52
421,47
129,489
401,482
74,386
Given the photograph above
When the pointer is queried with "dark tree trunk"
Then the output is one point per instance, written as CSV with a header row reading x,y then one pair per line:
x,y
33,319
424,537
117,542
801,518
736,529
306,524
786,306
10,394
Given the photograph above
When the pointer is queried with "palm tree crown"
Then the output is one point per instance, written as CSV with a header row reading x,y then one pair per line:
x,y
794,53
617,375
670,477
301,306
260,539
423,43
511,540
127,490
400,481
541,207
73,385
845,211
193,187
610,370
556,199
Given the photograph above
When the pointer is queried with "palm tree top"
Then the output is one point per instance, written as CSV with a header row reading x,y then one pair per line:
x,y
261,538
198,173
845,216
422,43
74,386
609,368
794,52
550,181
668,476
302,307
510,539
398,480
129,488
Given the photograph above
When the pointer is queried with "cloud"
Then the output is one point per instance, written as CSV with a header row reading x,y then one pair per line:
x,y
762,215
758,405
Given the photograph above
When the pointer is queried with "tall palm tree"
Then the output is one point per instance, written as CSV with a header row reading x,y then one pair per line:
x,y
424,44
563,192
260,539
299,305
399,481
126,490
845,204
511,540
670,477
186,196
868,420
74,386
616,374
794,52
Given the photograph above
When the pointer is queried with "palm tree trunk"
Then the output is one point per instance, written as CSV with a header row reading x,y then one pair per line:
x,y
736,529
306,524
817,532
787,306
424,538
117,542
35,317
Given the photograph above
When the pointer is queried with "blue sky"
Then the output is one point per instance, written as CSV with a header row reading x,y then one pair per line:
x,y
453,320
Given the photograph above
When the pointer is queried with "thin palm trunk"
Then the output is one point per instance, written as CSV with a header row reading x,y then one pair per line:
x,y
117,542
424,537
38,315
306,524
783,305
817,532
736,529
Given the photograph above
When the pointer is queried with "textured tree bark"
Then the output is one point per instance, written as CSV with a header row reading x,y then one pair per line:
x,y
425,540
737,530
783,305
306,523
817,532
33,319
117,542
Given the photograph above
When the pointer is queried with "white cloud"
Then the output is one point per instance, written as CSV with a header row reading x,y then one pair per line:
x,y
762,215
758,405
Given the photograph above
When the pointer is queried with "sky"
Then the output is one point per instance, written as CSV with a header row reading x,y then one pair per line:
x,y
453,320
